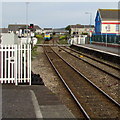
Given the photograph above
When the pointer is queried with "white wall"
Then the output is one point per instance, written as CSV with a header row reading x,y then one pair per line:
x,y
27,40
81,39
8,38
38,31
112,27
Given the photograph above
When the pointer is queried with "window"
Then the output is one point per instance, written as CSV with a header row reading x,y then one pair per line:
x,y
117,27
108,27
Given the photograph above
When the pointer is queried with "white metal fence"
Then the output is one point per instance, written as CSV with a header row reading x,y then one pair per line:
x,y
15,64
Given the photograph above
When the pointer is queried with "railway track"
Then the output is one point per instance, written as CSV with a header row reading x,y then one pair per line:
x,y
100,65
93,102
95,59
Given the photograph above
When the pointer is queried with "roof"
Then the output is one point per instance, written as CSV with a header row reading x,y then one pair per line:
x,y
36,27
16,27
47,28
109,14
3,30
81,26
60,30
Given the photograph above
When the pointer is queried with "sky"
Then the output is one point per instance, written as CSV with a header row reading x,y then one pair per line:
x,y
51,14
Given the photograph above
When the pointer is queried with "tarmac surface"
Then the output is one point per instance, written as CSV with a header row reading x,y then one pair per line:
x,y
115,50
31,102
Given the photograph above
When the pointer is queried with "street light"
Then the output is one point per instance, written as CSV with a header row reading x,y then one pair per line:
x,y
90,25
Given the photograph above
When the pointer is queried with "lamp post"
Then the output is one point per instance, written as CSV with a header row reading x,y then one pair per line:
x,y
90,25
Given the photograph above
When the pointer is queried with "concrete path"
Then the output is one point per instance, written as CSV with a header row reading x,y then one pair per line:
x,y
31,102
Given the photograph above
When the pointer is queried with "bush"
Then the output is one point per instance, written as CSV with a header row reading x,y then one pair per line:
x,y
39,36
84,33
63,37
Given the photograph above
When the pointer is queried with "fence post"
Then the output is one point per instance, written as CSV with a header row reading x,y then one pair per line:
x,y
15,66
30,63
1,63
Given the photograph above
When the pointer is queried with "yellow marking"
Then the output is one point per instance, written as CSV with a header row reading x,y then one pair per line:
x,y
81,56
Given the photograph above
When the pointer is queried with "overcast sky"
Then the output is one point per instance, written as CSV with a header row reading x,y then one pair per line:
x,y
51,14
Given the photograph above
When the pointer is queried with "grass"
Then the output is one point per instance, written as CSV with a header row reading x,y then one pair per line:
x,y
63,41
40,39
34,52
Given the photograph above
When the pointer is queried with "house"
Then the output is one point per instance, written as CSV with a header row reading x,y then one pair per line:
x,y
25,33
47,30
16,27
3,30
81,29
60,31
38,30
106,22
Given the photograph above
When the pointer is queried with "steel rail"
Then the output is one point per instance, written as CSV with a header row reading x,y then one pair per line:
x,y
100,90
92,65
70,91
93,58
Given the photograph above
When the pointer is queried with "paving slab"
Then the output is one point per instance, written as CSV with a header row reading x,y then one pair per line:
x,y
32,102
17,104
56,111
104,48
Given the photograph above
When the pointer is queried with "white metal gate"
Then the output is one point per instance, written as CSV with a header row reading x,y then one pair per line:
x,y
15,64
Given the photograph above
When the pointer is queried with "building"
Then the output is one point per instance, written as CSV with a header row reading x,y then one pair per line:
x,y
38,30
3,30
81,29
16,27
47,30
106,22
60,31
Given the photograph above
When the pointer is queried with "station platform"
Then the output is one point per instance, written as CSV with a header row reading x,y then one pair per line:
x,y
111,50
111,54
32,102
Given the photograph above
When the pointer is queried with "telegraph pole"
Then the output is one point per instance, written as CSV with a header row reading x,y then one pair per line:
x,y
90,26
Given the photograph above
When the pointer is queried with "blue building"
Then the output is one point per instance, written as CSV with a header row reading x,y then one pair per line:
x,y
107,27
107,22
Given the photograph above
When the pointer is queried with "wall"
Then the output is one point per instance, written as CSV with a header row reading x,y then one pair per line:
x,y
8,38
81,30
111,27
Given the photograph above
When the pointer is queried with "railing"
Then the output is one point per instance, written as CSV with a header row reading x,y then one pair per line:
x,y
15,64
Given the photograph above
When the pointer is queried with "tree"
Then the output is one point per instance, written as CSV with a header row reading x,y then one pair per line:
x,y
68,28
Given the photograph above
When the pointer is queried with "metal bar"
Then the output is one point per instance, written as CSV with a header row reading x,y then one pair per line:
x,y
12,69
30,63
1,63
15,66
21,62
24,63
5,65
8,62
